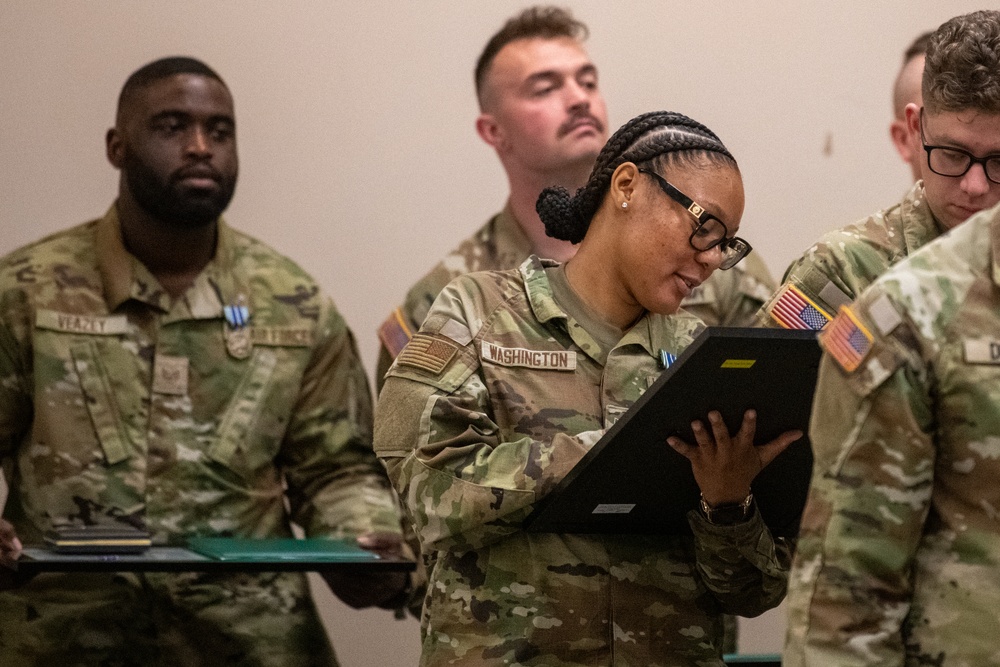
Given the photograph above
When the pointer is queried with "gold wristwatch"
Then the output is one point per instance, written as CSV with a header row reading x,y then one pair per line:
x,y
727,514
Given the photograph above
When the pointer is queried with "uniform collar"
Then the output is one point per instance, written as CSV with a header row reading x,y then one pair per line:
x,y
510,233
652,332
921,226
126,278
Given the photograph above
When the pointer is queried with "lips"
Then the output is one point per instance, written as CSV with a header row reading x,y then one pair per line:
x,y
687,284
967,211
198,177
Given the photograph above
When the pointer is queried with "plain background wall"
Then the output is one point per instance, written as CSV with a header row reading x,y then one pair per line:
x,y
359,157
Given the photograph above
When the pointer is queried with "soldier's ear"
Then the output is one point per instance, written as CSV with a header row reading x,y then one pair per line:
x,y
114,147
912,112
623,184
490,130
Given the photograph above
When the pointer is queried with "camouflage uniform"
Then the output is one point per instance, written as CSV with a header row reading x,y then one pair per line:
x,y
471,443
838,267
728,298
117,404
899,552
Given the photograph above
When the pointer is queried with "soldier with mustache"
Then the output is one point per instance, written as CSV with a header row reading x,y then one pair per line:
x,y
542,111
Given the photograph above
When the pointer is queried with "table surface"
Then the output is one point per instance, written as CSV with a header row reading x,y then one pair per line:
x,y
178,559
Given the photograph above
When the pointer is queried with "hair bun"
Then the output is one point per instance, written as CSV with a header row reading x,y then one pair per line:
x,y
560,215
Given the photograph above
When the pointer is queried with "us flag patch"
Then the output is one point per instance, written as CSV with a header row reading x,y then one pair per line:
x,y
794,310
846,340
428,352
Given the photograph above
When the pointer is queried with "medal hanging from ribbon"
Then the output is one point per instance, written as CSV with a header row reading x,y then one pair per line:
x,y
236,329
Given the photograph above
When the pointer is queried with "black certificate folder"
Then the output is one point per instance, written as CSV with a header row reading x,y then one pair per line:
x,y
633,482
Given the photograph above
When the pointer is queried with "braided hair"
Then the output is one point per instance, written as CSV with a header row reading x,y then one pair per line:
x,y
664,137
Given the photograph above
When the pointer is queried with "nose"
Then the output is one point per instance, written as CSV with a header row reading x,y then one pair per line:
x,y
198,142
711,258
975,183
577,97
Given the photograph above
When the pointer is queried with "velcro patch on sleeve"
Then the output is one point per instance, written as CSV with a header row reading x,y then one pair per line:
x,y
846,340
428,352
884,315
395,333
792,309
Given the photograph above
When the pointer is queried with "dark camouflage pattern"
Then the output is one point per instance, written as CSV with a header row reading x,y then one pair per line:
x,y
898,557
92,432
471,445
838,267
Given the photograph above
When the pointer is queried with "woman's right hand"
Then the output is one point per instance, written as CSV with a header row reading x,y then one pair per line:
x,y
724,465
10,551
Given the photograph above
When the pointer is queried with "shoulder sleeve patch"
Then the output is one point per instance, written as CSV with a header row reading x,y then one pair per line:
x,y
428,352
395,333
846,340
457,331
884,315
792,309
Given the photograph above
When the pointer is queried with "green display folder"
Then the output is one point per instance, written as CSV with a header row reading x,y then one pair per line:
x,y
244,550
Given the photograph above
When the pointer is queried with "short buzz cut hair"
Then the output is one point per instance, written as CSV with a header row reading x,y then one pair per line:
x,y
162,69
962,69
903,94
545,22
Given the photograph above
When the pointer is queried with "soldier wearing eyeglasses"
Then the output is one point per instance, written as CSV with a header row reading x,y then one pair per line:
x,y
899,553
543,113
515,374
958,128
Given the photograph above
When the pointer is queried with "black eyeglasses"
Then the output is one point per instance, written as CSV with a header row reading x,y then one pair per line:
x,y
951,161
710,231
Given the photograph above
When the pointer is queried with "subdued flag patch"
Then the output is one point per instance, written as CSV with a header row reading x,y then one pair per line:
x,y
428,352
794,310
395,333
846,340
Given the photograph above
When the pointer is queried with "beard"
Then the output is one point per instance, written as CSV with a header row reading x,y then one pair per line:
x,y
171,201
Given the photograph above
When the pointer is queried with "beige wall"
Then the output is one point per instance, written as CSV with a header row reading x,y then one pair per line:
x,y
359,157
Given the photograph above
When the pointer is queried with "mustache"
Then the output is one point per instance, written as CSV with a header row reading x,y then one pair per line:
x,y
576,119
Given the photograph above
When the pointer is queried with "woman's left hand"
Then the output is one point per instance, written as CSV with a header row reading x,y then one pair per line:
x,y
725,465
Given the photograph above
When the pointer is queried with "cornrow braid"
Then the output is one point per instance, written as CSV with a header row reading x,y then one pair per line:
x,y
642,139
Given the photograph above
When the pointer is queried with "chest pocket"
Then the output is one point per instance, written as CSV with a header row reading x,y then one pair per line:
x,y
98,396
236,446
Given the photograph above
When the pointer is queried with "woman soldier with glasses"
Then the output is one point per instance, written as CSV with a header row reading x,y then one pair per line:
x,y
515,374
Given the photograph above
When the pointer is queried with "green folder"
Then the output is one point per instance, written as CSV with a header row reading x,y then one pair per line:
x,y
245,550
